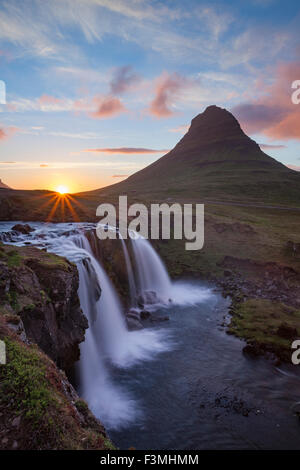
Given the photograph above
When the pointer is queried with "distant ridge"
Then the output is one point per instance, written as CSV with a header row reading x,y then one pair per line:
x,y
3,186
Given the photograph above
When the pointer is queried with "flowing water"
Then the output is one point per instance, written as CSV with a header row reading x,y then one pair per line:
x,y
181,384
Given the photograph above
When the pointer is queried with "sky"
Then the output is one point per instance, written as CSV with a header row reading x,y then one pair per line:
x,y
98,89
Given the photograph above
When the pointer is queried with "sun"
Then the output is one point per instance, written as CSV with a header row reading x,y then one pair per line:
x,y
62,189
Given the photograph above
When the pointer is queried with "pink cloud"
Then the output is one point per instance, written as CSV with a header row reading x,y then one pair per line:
x,y
7,132
126,150
47,99
167,88
294,167
181,129
270,146
273,113
123,80
108,106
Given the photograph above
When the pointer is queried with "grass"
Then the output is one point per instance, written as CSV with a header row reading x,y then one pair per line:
x,y
23,381
258,320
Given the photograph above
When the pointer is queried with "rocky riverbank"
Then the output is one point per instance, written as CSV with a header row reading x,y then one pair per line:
x,y
265,307
41,324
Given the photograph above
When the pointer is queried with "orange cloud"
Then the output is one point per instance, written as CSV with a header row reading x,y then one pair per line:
x,y
108,106
167,88
44,165
273,113
120,176
126,150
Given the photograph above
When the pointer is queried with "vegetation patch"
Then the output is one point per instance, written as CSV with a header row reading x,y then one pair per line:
x,y
272,326
23,381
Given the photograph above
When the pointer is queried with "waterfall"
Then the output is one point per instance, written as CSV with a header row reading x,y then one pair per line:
x,y
131,280
153,279
108,342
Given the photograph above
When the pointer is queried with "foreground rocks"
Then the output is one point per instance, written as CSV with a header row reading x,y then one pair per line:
x,y
39,408
41,324
38,292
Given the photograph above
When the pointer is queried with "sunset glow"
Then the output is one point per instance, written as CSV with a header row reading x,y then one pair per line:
x,y
62,189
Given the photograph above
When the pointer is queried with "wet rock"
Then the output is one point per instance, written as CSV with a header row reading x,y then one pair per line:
x,y
133,324
16,422
159,319
252,349
23,228
133,313
148,298
145,315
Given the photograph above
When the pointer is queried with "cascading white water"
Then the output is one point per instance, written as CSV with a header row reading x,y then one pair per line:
x,y
131,280
152,274
108,341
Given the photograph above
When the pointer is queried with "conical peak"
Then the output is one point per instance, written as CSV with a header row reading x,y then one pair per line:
x,y
214,116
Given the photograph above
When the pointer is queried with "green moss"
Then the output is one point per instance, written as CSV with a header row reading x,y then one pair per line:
x,y
29,307
257,320
107,444
12,299
53,261
13,258
23,381
81,406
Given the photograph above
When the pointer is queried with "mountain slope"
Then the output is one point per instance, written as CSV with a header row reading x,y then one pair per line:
x,y
3,186
215,160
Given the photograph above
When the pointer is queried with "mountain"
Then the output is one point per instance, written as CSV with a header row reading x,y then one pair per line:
x,y
3,186
214,160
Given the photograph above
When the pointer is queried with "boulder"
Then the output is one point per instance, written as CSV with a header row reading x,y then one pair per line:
x,y
23,228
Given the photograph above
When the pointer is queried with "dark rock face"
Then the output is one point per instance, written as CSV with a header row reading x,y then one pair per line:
x,y
42,291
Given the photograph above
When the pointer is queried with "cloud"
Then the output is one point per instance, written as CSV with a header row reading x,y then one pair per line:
x,y
123,80
47,99
44,165
97,107
181,129
271,146
6,163
126,150
120,176
7,132
167,89
293,167
273,112
108,106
